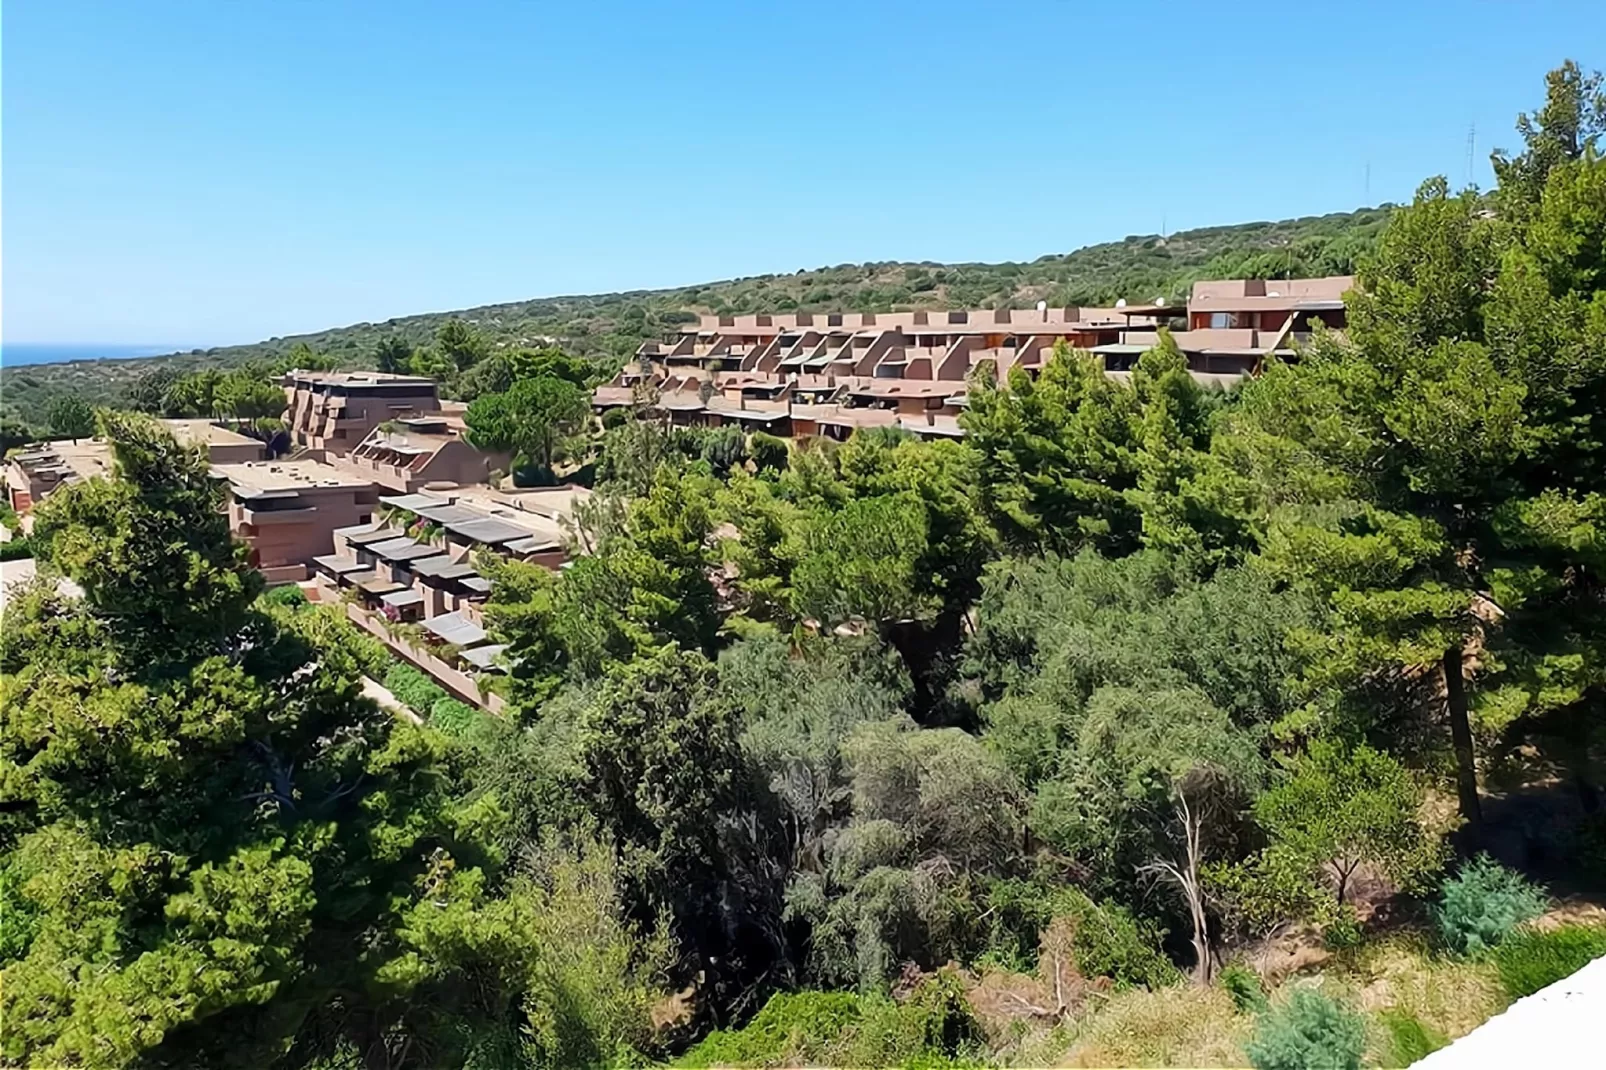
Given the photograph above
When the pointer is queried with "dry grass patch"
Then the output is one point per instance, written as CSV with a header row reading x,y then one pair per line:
x,y
1451,997
1178,1026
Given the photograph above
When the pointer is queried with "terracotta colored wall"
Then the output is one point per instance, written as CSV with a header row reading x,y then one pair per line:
x,y
228,453
297,541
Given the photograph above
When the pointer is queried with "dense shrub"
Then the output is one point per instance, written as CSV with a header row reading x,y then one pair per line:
x,y
1529,960
1243,985
19,915
288,595
1344,932
374,658
793,1027
1409,1039
768,452
1309,1032
725,449
1107,940
613,418
17,549
932,1027
327,628
1482,903
413,689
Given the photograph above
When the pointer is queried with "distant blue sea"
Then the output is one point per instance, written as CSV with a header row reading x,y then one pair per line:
x,y
16,354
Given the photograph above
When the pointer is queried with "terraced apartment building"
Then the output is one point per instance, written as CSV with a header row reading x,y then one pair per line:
x,y
333,412
829,373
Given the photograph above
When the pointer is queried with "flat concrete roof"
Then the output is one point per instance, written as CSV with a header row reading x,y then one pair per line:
x,y
489,530
84,459
340,566
483,657
455,628
253,478
410,502
402,550
366,534
193,432
355,379
438,565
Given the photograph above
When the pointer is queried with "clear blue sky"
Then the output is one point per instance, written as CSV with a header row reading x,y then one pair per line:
x,y
209,172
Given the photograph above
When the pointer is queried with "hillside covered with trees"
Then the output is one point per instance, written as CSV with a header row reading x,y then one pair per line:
x,y
608,327
1145,725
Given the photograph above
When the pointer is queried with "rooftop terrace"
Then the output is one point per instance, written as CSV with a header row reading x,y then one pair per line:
x,y
254,478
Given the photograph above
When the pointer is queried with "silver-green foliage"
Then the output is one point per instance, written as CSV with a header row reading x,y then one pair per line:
x,y
1311,1031
1483,903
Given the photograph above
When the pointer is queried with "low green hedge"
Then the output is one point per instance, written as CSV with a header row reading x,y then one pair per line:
x,y
1529,960
1410,1040
413,689
17,549
287,595
933,1028
452,717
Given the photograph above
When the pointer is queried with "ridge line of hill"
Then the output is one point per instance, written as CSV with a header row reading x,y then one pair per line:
x,y
610,326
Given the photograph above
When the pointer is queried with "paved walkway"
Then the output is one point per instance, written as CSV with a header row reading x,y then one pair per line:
x,y
22,571
381,694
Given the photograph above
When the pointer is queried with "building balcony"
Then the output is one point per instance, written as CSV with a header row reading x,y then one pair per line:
x,y
260,518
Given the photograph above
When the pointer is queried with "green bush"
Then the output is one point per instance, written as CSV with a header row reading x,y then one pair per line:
x,y
289,595
17,549
1409,1039
769,453
454,718
612,418
1344,932
372,656
725,449
1243,985
1529,960
933,1027
689,441
1482,903
19,915
793,1027
413,689
1308,1032
1111,943
1107,940
348,648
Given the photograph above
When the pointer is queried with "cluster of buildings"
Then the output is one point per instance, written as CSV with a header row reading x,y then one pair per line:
x,y
380,505
33,472
383,505
807,373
